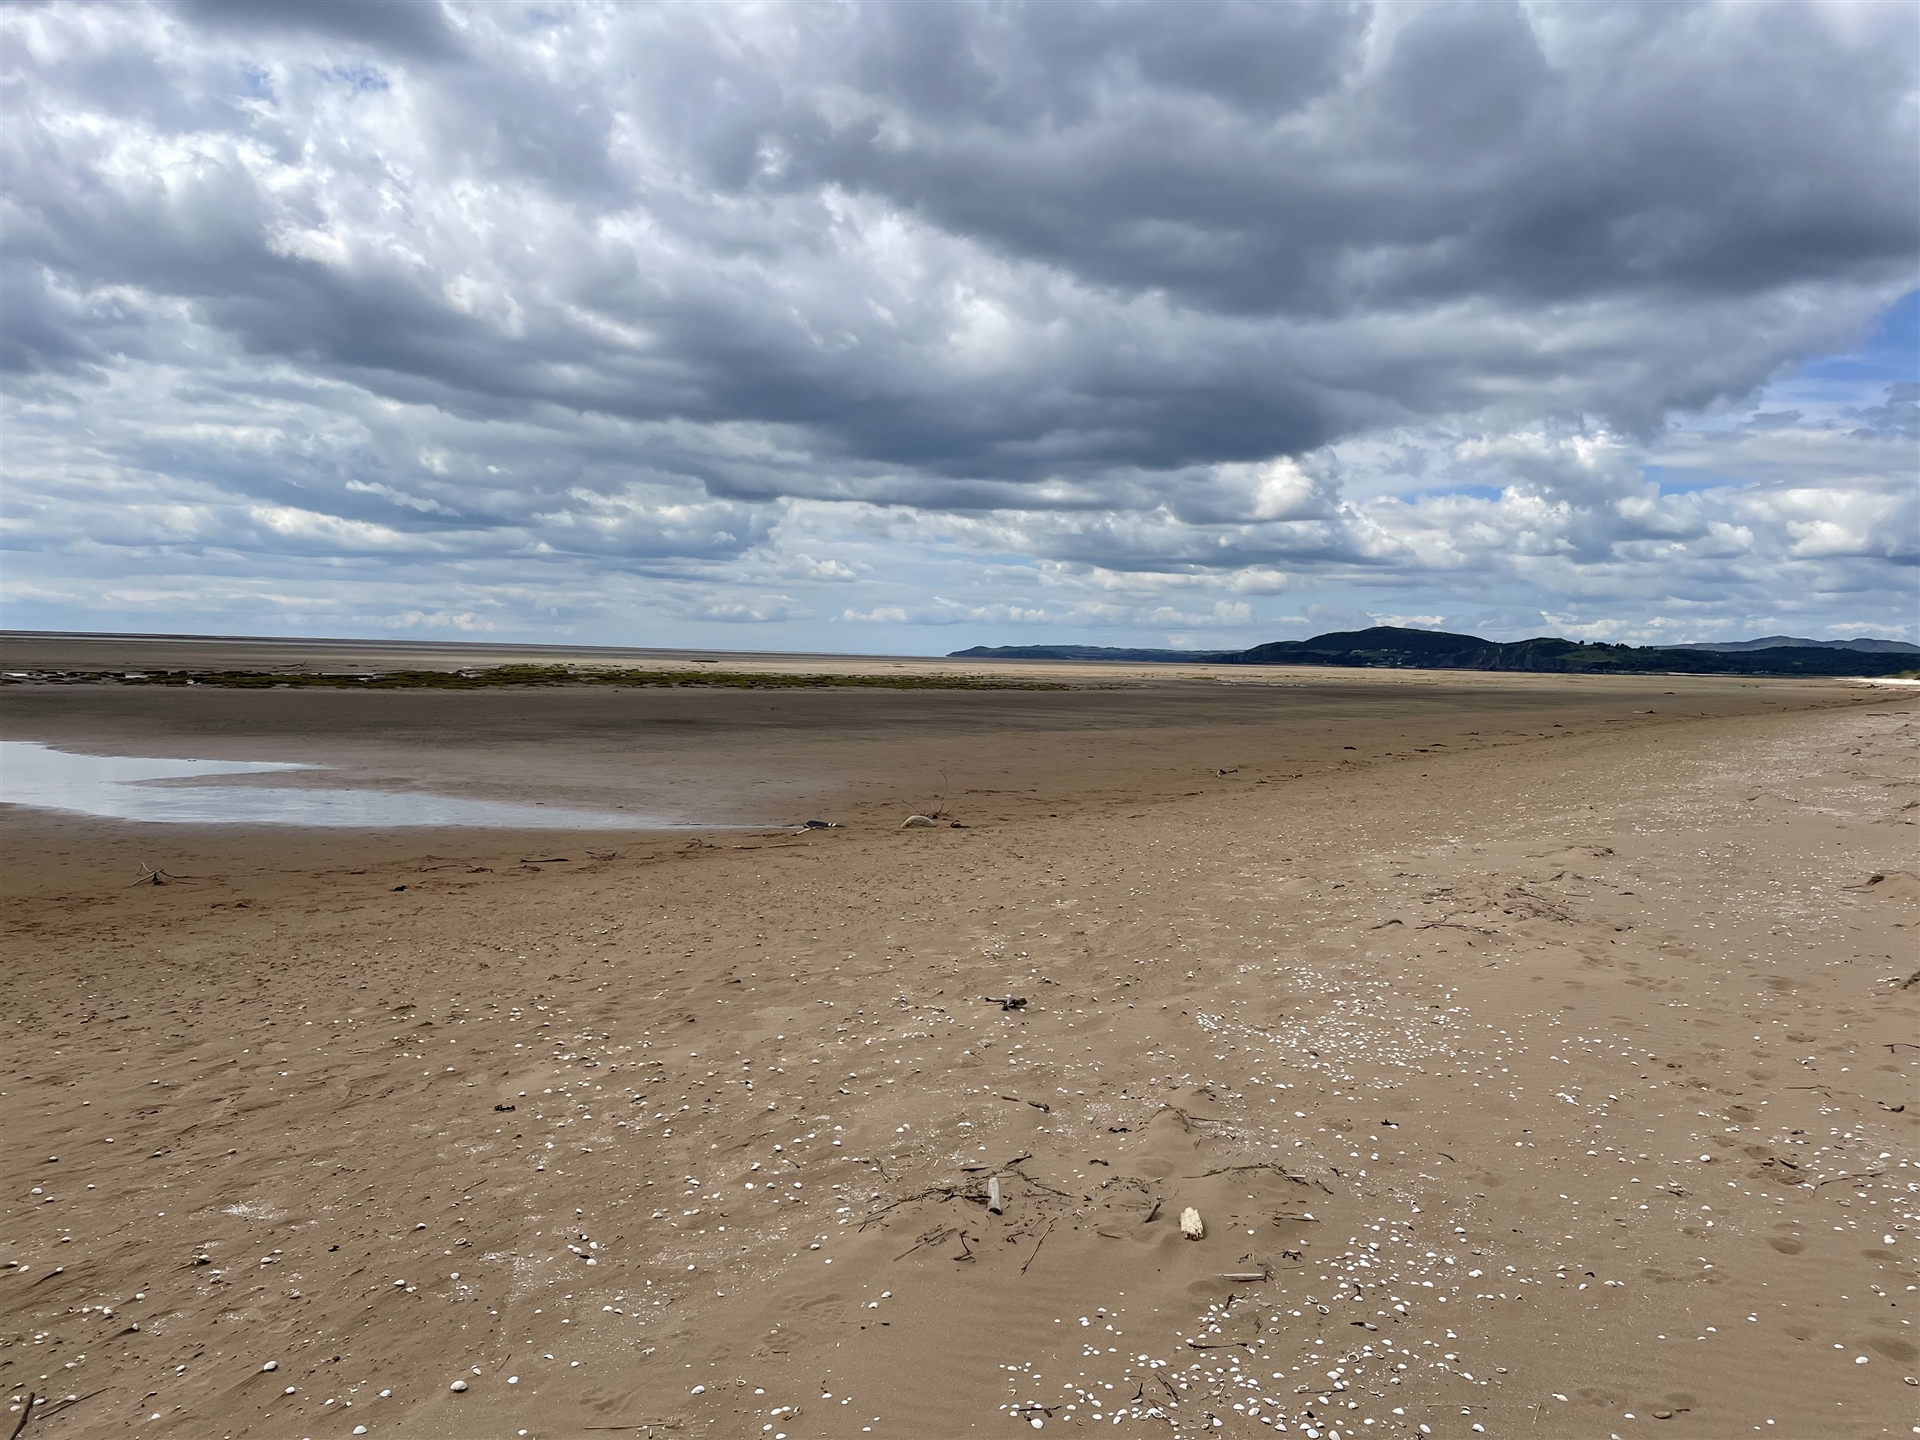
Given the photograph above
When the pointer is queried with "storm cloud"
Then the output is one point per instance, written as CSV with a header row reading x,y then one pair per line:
x,y
592,319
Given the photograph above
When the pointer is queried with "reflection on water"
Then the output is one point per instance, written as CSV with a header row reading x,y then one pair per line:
x,y
118,787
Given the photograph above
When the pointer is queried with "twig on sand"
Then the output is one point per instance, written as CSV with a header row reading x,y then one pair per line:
x,y
932,1237
25,1415
1042,1185
151,875
942,1193
1863,1175
1261,1165
1037,1244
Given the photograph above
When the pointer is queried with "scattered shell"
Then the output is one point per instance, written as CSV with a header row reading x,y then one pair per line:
x,y
458,1386
919,822
271,1365
1191,1225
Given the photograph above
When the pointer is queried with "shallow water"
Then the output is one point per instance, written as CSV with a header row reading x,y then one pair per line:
x,y
120,787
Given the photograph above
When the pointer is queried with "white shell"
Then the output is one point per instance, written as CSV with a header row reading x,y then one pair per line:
x,y
919,822
458,1385
1191,1225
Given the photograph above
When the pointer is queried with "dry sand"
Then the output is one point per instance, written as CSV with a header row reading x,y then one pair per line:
x,y
1550,1059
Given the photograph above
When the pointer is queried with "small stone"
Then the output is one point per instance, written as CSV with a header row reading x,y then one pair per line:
x,y
1191,1225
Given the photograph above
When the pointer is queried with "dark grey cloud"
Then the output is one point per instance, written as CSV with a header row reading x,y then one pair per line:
x,y
415,29
1653,147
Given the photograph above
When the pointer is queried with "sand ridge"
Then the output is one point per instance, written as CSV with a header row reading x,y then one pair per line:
x,y
1547,1087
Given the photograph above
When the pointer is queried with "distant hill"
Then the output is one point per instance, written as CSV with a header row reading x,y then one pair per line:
x,y
1393,648
1784,642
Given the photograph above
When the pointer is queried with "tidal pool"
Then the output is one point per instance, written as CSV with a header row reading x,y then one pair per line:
x,y
120,787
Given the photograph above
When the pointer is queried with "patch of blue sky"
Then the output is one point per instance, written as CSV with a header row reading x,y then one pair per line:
x,y
1469,492
1888,354
360,79
1686,482
1830,389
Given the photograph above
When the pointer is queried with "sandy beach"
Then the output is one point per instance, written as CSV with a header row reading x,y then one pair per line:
x,y
1538,1053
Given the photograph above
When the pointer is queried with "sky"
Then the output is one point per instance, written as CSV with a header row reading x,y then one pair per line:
x,y
903,328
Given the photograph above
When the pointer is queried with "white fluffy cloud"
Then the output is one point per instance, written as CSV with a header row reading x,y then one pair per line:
x,y
869,326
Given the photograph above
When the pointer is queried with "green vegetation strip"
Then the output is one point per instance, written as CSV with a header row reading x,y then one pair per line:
x,y
544,675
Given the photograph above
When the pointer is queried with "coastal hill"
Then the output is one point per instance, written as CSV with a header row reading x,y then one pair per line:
x,y
1392,647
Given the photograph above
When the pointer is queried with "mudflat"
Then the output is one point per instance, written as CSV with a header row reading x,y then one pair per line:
x,y
1537,1053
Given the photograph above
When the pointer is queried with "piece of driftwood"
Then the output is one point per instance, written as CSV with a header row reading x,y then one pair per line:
x,y
996,1202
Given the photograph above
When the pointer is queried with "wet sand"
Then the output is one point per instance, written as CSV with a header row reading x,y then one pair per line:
x,y
1550,1061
